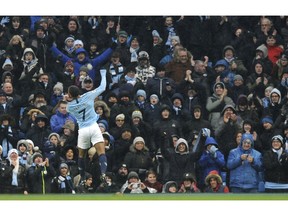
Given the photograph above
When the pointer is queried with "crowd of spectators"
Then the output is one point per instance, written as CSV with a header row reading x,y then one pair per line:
x,y
192,103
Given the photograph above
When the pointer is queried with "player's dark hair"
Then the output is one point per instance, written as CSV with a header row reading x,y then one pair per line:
x,y
74,91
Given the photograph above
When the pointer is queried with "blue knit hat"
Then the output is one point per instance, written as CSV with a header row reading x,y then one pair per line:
x,y
141,92
267,119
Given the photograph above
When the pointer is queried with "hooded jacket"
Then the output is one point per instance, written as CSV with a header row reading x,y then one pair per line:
x,y
243,174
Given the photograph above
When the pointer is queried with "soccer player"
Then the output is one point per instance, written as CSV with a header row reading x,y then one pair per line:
x,y
82,108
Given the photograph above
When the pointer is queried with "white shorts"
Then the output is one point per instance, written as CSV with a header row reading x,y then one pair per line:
x,y
89,135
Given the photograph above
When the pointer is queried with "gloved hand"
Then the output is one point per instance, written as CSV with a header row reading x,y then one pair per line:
x,y
205,132
213,150
4,20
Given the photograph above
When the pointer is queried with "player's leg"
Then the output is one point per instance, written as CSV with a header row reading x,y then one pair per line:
x,y
81,162
98,142
100,149
83,144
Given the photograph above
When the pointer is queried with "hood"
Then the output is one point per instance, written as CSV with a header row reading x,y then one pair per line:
x,y
263,49
181,140
247,136
275,90
167,185
210,141
222,62
80,50
29,50
226,107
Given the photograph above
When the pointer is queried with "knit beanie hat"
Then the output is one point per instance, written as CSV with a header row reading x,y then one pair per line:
x,y
137,114
175,38
267,119
278,137
8,63
22,141
141,92
138,139
238,77
221,84
103,123
69,62
69,38
143,55
78,42
11,151
35,155
54,134
154,96
132,174
120,117
59,86
84,68
62,165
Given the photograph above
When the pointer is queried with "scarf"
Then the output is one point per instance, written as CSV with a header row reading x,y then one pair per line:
x,y
134,55
130,80
229,60
15,172
69,49
177,109
278,152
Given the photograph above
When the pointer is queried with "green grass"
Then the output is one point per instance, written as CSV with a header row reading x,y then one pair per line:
x,y
139,197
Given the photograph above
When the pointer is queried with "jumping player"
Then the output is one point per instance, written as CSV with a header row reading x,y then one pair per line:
x,y
82,108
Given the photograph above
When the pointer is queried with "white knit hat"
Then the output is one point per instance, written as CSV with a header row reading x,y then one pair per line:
x,y
138,139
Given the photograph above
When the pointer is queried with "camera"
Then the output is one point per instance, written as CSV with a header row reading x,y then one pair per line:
x,y
135,185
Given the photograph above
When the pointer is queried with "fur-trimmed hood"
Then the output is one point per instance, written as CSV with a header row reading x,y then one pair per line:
x,y
105,107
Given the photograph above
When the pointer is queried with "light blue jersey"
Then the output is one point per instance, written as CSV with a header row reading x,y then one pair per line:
x,y
83,108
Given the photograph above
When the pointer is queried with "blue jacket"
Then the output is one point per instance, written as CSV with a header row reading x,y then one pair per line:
x,y
58,120
97,62
242,173
208,162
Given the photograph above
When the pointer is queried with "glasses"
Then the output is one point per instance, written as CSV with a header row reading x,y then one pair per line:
x,y
247,142
119,120
274,95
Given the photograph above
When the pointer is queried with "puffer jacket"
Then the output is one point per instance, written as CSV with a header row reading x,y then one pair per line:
x,y
244,174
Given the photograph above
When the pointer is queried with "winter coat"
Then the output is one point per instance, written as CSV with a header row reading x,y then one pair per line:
x,y
62,184
96,62
39,136
57,121
208,162
169,126
6,178
243,174
39,179
275,171
138,161
179,163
